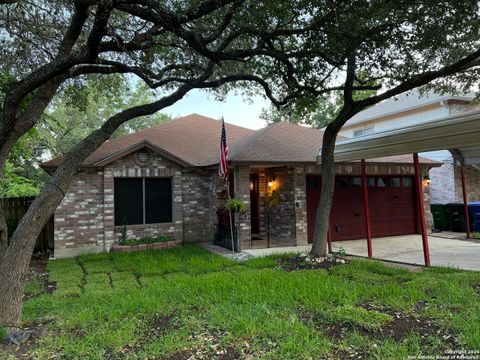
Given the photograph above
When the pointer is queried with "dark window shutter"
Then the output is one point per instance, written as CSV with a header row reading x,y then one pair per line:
x,y
128,201
158,200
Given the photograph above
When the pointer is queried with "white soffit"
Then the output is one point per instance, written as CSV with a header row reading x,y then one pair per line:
x,y
460,132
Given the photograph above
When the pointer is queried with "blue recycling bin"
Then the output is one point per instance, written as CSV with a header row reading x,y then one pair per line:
x,y
474,214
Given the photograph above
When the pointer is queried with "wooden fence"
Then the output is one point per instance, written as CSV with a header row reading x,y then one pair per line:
x,y
14,209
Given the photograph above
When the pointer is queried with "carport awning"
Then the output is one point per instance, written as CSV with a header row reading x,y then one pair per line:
x,y
459,134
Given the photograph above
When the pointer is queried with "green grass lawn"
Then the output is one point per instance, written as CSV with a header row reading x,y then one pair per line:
x,y
186,301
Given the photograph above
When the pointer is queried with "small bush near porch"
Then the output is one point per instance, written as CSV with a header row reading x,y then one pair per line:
x,y
187,303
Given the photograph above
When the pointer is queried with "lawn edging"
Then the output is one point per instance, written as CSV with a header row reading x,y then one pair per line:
x,y
142,247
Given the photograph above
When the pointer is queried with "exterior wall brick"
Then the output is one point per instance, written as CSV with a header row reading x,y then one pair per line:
x,y
198,217
442,183
472,183
79,219
301,225
282,225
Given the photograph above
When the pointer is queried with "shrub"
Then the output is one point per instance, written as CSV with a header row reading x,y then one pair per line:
x,y
147,240
3,333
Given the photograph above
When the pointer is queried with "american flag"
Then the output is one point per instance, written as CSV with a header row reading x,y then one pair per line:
x,y
223,169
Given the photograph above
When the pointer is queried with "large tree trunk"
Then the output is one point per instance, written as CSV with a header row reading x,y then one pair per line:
x,y
3,230
16,257
320,234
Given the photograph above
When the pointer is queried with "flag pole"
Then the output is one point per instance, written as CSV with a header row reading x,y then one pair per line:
x,y
223,172
230,217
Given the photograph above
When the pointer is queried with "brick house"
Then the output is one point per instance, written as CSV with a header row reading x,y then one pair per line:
x,y
163,181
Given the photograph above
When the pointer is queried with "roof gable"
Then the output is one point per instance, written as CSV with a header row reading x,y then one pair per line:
x,y
144,144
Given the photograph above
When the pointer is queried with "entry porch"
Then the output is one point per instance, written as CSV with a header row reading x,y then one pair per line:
x,y
281,202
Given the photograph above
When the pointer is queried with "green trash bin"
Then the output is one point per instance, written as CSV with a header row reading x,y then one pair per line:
x,y
456,217
439,217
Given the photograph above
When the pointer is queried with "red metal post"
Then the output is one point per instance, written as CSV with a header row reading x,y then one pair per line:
x,y
421,209
366,209
465,204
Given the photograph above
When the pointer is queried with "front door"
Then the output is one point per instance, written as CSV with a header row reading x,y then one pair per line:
x,y
254,203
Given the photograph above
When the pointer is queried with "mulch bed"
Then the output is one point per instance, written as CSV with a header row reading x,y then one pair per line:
x,y
161,325
399,328
229,353
38,271
24,350
305,263
209,348
404,324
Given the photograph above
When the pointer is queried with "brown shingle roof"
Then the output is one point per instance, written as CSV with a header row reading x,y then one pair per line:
x,y
279,142
194,140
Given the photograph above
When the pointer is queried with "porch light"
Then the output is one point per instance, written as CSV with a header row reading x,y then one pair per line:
x,y
271,181
426,181
272,184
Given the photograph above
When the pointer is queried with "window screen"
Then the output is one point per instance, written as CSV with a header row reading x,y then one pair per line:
x,y
128,201
158,200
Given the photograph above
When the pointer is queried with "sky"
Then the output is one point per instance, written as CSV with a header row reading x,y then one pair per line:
x,y
234,109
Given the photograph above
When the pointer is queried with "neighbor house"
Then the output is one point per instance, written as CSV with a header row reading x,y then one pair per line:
x,y
412,108
164,181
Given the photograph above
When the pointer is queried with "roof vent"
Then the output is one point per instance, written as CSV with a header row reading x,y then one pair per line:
x,y
142,158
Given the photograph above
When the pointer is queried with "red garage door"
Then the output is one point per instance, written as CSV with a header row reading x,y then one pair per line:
x,y
392,206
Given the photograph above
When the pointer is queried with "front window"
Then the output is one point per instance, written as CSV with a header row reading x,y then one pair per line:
x,y
142,200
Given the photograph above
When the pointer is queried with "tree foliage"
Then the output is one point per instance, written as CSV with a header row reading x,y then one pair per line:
x,y
76,111
85,106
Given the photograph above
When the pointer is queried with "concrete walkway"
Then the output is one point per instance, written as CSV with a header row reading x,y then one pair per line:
x,y
461,254
277,250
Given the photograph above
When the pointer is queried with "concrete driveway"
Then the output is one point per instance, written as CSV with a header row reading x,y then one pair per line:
x,y
462,254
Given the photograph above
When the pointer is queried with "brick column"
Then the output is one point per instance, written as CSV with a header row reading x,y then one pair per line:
x,y
242,192
108,208
300,206
426,200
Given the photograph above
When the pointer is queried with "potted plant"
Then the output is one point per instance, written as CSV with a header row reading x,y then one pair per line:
x,y
234,206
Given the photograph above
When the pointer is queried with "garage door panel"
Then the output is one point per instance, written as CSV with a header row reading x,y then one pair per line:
x,y
392,208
